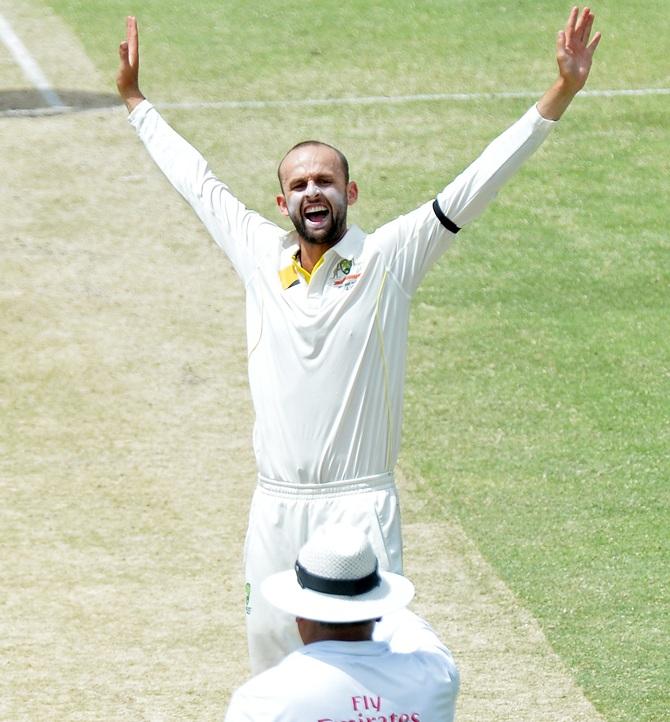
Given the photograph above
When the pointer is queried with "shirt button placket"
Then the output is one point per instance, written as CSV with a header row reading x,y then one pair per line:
x,y
317,284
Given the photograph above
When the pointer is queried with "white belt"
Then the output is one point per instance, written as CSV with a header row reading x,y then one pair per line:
x,y
363,484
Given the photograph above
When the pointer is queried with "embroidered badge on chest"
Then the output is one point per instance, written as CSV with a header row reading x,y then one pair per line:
x,y
344,274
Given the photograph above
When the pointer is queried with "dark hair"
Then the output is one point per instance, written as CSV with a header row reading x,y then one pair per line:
x,y
342,158
345,625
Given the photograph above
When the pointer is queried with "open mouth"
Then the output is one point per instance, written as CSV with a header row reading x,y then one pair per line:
x,y
316,214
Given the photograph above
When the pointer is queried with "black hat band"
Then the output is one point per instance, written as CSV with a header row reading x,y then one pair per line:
x,y
340,587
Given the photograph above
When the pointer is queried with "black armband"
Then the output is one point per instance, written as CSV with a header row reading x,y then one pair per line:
x,y
448,224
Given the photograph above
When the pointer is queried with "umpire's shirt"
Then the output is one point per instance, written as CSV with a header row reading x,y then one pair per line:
x,y
407,676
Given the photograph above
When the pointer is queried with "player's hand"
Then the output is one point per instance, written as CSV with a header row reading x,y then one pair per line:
x,y
127,77
574,52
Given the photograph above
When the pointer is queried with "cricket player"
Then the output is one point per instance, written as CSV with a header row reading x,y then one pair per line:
x,y
327,309
365,657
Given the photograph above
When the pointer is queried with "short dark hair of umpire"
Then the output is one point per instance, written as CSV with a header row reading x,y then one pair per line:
x,y
343,159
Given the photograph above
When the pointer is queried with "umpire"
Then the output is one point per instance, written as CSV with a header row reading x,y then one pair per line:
x,y
353,665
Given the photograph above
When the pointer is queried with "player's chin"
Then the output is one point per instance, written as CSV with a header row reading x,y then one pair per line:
x,y
318,239
317,234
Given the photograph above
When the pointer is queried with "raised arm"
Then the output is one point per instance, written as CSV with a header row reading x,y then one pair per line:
x,y
243,234
574,54
127,77
420,237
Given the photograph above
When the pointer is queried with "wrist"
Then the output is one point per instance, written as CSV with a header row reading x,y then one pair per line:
x,y
555,101
566,87
132,101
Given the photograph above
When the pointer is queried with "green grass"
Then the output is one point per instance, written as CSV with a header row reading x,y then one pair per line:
x,y
537,397
543,361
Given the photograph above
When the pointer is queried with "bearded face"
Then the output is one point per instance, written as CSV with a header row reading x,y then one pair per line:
x,y
316,194
320,216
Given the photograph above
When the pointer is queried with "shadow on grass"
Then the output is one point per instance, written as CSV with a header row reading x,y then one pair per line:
x,y
23,102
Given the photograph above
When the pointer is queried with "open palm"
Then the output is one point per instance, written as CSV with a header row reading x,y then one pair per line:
x,y
574,53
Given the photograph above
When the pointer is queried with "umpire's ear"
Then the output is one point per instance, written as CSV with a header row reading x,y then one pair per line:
x,y
306,629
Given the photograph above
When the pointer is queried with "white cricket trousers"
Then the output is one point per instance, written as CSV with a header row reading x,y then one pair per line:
x,y
281,519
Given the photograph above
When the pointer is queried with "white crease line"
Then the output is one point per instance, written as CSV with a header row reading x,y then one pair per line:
x,y
381,99
322,102
28,64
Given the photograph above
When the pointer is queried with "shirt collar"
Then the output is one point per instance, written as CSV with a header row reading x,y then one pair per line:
x,y
333,646
351,244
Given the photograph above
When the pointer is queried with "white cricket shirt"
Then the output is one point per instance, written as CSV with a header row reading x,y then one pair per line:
x,y
408,675
327,359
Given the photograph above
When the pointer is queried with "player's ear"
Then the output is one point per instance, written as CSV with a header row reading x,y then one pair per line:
x,y
352,193
281,204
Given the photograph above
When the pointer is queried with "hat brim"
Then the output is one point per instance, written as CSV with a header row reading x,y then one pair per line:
x,y
283,591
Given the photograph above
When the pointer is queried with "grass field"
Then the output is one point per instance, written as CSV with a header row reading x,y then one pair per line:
x,y
539,369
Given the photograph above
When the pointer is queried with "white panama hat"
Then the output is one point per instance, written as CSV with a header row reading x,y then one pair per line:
x,y
336,579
